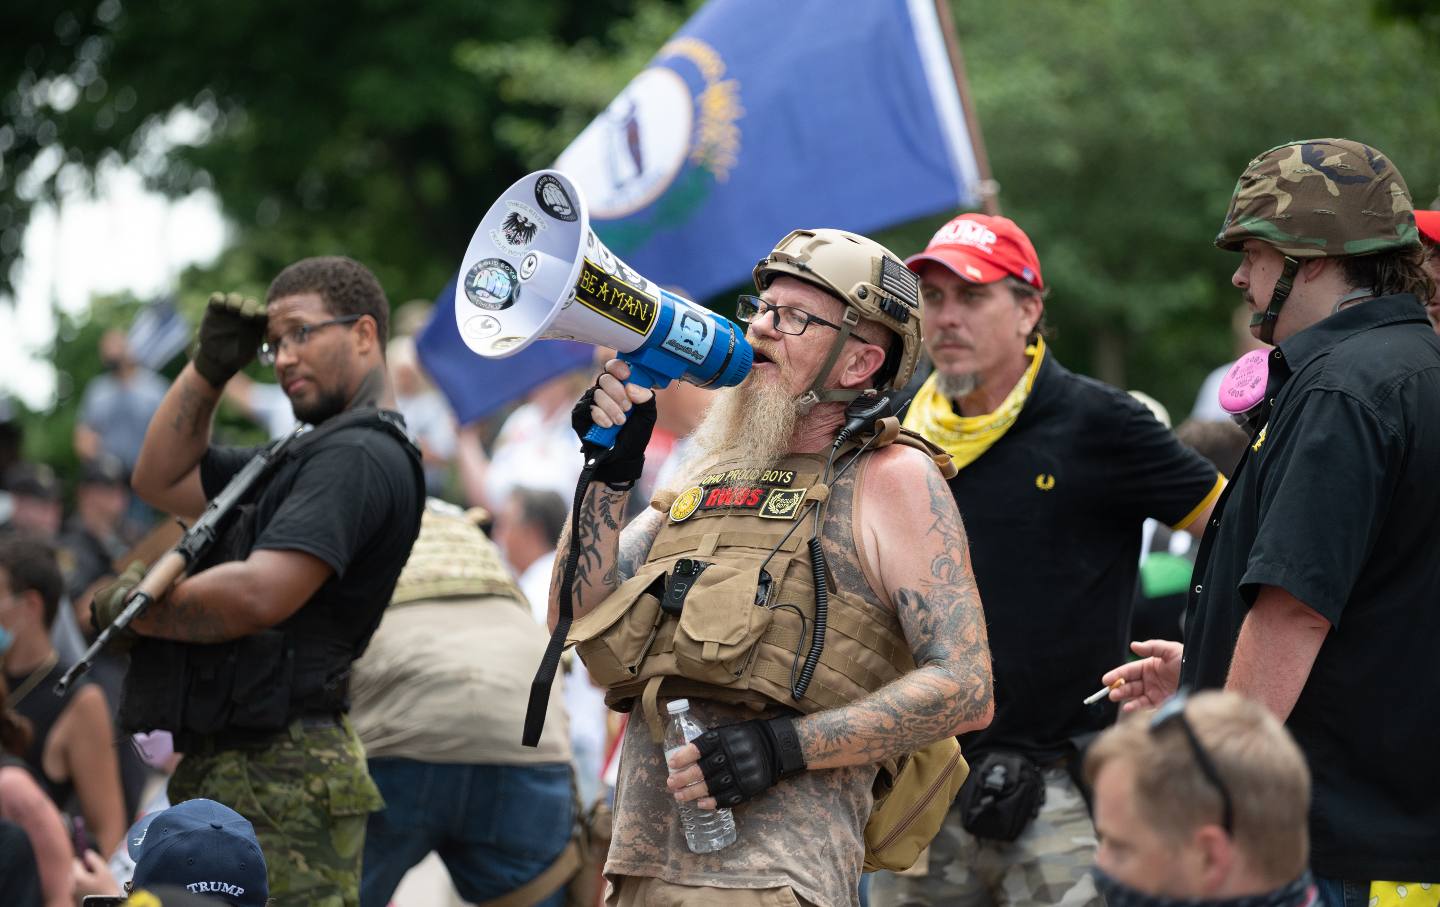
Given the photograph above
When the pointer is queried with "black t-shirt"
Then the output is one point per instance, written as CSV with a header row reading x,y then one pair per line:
x,y
1339,505
1053,511
351,498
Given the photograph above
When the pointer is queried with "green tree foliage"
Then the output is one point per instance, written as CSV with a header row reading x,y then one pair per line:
x,y
1117,129
380,129
383,130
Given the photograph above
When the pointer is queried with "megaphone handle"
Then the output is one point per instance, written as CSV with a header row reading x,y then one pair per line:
x,y
640,377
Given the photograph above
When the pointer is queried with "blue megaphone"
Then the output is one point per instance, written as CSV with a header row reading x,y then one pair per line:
x,y
534,269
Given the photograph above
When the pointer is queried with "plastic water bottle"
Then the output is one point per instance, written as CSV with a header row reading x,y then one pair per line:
x,y
706,830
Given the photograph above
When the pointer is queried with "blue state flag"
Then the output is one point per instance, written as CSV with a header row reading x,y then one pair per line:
x,y
760,117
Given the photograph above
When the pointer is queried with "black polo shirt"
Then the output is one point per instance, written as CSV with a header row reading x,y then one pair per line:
x,y
1053,511
1338,503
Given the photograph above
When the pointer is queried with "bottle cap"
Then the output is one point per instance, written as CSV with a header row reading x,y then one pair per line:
x,y
677,706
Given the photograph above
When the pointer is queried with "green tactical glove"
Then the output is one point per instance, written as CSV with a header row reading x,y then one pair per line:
x,y
230,333
109,601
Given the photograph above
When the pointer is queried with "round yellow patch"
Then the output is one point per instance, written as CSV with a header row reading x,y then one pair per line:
x,y
686,504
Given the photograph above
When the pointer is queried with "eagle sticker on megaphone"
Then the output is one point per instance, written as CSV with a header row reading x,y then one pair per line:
x,y
535,269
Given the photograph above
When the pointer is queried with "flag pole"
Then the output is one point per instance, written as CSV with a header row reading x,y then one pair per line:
x,y
989,189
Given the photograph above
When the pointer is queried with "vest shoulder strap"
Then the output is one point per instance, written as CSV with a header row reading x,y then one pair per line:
x,y
889,431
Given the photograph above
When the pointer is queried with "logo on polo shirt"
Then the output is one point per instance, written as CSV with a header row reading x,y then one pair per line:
x,y
1045,481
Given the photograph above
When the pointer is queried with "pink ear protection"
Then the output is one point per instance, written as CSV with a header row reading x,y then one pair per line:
x,y
1243,388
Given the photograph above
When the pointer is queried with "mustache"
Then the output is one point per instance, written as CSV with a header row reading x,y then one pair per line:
x,y
764,350
950,337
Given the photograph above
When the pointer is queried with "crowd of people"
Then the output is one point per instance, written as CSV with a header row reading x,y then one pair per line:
x,y
846,564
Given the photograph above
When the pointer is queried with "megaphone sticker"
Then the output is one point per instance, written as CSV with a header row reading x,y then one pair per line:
x,y
492,284
551,196
611,296
519,228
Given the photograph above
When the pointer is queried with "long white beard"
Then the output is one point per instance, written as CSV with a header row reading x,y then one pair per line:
x,y
751,423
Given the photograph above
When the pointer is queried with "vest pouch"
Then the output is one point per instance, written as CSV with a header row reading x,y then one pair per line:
x,y
263,682
720,624
613,638
912,807
153,696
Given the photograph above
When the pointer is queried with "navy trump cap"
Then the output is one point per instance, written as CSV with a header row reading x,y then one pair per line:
x,y
203,847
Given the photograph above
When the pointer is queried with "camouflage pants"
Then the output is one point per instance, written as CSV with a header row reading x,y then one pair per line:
x,y
308,795
1048,864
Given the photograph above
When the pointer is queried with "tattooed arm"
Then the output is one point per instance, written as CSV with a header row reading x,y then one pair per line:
x,y
925,567
237,598
167,473
608,555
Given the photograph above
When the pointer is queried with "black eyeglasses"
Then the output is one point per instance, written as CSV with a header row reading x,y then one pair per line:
x,y
270,350
788,319
1172,711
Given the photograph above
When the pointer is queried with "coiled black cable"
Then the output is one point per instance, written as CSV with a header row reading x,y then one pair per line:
x,y
822,609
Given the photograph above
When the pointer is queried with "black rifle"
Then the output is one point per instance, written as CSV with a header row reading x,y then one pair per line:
x,y
191,547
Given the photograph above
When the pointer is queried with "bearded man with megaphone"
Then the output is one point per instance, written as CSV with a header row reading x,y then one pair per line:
x,y
806,585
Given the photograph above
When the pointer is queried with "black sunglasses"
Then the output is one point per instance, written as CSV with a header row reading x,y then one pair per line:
x,y
1172,711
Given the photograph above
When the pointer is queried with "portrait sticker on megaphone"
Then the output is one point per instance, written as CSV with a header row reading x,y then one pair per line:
x,y
534,269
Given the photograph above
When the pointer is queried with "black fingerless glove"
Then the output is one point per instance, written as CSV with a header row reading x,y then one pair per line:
x,y
622,464
230,334
742,760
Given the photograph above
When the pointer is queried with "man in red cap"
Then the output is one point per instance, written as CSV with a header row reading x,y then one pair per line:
x,y
1057,474
1429,224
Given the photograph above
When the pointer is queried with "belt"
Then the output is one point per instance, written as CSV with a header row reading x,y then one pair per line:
x,y
239,739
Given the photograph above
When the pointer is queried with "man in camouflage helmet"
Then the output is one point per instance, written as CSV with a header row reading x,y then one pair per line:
x,y
836,314
1318,577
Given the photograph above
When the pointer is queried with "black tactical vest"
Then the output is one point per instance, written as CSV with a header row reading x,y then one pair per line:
x,y
255,685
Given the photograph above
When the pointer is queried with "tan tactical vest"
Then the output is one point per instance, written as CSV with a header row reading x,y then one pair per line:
x,y
724,607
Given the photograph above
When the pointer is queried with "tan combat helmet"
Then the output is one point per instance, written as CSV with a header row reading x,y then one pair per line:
x,y
1318,198
872,282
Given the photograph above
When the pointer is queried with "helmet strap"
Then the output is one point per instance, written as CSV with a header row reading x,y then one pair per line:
x,y
817,392
1283,285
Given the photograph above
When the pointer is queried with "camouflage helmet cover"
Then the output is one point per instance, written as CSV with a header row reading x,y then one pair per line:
x,y
861,273
1321,198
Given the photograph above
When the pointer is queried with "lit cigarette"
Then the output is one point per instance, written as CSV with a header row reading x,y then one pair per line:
x,y
1104,691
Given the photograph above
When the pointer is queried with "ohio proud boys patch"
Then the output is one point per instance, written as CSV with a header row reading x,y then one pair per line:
x,y
621,302
766,492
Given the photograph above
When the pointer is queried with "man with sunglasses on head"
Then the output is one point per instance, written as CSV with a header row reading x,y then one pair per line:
x,y
772,498
246,660
1315,587
1201,803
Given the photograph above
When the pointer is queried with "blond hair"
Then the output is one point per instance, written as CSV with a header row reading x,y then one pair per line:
x,y
1263,770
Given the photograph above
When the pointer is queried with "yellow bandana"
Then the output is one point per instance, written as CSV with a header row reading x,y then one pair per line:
x,y
967,437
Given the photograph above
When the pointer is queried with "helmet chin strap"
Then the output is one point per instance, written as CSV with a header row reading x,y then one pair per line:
x,y
817,392
1283,285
